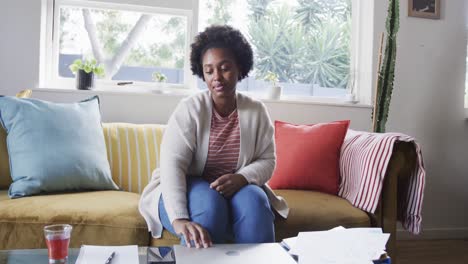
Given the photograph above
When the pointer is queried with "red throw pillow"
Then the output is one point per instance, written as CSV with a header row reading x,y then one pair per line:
x,y
307,156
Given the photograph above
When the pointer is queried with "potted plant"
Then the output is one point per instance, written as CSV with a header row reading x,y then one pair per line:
x,y
275,89
159,77
85,72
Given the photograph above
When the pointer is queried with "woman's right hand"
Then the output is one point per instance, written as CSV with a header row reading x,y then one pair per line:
x,y
192,232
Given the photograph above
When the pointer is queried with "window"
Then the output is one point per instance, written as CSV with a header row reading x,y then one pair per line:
x,y
306,44
134,44
317,48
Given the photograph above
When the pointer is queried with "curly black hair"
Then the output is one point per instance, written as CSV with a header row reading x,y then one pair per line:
x,y
224,36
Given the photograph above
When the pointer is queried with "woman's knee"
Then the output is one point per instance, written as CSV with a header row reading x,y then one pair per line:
x,y
251,200
206,203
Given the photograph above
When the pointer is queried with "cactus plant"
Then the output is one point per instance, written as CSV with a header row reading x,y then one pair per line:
x,y
387,72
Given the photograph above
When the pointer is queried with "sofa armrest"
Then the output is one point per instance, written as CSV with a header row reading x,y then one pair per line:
x,y
401,165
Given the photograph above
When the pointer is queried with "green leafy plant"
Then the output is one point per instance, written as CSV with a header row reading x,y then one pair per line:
x,y
278,42
387,72
259,8
159,77
271,77
290,42
88,66
326,59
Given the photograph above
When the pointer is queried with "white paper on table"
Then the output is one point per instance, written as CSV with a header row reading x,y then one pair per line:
x,y
290,242
99,254
293,240
341,246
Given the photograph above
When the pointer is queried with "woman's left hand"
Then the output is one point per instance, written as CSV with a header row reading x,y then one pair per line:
x,y
228,184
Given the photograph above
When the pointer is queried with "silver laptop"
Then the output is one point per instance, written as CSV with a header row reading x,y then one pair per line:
x,y
266,253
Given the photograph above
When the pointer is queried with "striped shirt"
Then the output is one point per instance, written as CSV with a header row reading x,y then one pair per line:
x,y
363,165
224,146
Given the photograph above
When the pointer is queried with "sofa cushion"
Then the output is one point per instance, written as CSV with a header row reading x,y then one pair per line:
x,y
315,211
55,147
309,211
133,153
307,156
99,218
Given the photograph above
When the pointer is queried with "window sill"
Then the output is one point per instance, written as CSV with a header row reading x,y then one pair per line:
x,y
120,91
325,101
322,101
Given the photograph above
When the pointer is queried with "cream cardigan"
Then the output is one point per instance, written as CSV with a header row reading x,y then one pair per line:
x,y
184,150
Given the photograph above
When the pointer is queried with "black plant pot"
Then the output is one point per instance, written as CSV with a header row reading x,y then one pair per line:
x,y
84,80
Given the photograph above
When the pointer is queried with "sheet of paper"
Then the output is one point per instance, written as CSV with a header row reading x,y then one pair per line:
x,y
99,254
290,242
293,240
357,245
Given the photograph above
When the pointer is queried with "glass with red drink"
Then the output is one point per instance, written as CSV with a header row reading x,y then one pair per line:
x,y
57,239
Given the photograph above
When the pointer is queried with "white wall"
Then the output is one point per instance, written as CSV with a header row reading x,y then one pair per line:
x,y
19,45
427,101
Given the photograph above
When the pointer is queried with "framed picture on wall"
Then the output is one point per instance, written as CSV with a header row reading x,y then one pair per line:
x,y
424,8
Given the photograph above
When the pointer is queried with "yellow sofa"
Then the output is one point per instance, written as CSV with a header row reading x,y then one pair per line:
x,y
112,217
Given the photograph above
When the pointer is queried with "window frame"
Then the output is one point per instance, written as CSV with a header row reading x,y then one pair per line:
x,y
53,79
363,44
362,62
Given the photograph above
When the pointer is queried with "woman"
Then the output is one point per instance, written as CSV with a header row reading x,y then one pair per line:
x,y
216,155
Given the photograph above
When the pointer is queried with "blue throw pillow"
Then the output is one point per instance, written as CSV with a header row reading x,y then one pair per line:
x,y
55,147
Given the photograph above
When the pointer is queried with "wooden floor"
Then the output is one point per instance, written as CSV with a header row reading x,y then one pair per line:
x,y
432,252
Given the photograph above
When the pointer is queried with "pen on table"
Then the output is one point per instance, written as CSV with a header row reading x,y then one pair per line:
x,y
109,259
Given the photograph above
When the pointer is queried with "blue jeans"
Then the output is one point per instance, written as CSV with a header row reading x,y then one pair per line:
x,y
246,217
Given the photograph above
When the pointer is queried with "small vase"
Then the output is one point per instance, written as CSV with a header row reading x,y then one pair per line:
x,y
84,80
274,92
